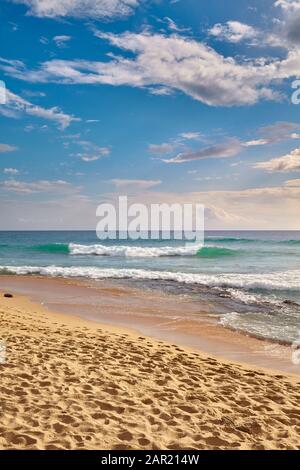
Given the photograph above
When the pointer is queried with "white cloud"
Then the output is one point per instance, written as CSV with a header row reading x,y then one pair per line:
x,y
254,143
233,31
41,186
292,183
292,30
160,91
71,136
161,149
10,171
88,158
190,135
34,94
289,162
275,133
224,150
265,208
171,62
209,178
174,27
135,184
7,148
44,40
79,8
288,4
16,106
271,134
61,41
279,128
91,152
258,208
14,26
288,31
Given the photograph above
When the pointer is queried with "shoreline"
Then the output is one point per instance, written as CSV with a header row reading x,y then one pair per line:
x,y
70,383
154,314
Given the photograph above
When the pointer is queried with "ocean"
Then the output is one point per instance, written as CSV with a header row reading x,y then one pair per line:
x,y
252,276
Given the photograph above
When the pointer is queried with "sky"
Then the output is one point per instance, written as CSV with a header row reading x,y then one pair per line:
x,y
161,100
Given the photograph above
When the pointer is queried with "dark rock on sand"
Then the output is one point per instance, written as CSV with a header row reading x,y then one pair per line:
x,y
291,302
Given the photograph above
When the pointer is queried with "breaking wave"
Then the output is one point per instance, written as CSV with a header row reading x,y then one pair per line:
x,y
281,281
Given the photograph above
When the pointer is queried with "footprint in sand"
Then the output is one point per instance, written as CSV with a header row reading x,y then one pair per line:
x,y
125,436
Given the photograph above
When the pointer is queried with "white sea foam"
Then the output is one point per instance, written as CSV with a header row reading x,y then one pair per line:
x,y
133,251
287,280
282,328
251,298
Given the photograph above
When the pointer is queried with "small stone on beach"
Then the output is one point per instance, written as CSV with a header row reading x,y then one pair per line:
x,y
8,295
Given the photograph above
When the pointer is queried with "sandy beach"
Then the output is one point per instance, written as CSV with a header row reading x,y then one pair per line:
x,y
70,383
149,229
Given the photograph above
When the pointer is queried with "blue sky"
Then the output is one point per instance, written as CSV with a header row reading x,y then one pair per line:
x,y
163,100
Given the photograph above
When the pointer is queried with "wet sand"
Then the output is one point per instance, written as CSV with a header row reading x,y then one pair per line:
x,y
173,318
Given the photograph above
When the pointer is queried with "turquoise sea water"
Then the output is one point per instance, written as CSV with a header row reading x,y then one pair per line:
x,y
254,276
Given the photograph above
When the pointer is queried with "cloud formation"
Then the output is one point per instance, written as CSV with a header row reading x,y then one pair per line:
x,y
233,31
170,63
79,8
295,183
288,4
61,40
255,142
266,207
4,148
271,134
230,148
275,133
42,186
289,162
10,171
191,135
135,184
173,26
292,29
90,151
161,149
16,105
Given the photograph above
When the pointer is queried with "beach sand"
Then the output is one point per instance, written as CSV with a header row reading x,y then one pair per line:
x,y
69,383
